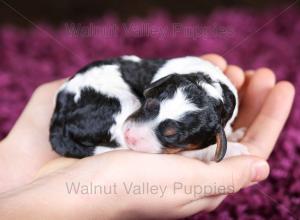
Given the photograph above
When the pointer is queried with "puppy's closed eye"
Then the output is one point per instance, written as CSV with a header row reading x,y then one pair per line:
x,y
169,131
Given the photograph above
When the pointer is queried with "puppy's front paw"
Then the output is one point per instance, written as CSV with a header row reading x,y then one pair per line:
x,y
237,134
236,149
208,154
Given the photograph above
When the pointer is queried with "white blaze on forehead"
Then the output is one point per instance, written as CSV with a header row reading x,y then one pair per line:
x,y
175,107
132,58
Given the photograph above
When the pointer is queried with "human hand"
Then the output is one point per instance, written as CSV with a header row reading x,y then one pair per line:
x,y
108,187
39,110
261,112
234,73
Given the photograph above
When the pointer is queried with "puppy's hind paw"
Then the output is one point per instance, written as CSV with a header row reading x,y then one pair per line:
x,y
236,149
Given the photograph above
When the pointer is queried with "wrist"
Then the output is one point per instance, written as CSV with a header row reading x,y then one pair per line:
x,y
34,201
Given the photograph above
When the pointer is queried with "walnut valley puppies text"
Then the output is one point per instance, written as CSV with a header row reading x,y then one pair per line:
x,y
148,30
146,188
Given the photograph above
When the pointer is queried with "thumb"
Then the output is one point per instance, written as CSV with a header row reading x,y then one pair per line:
x,y
232,174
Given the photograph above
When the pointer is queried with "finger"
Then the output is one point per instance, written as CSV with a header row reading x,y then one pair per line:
x,y
254,96
216,60
248,75
232,174
263,133
236,75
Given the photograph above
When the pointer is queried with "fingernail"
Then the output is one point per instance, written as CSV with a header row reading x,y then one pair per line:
x,y
260,171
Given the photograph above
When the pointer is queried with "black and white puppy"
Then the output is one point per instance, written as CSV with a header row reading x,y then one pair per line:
x,y
181,105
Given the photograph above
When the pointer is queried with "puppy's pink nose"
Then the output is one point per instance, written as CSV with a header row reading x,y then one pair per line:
x,y
129,137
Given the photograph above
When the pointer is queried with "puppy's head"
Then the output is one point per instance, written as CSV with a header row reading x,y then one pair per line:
x,y
180,113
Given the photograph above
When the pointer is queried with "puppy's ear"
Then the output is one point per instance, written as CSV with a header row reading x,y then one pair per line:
x,y
157,83
221,145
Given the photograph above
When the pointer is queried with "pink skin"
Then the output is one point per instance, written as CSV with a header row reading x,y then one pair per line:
x,y
140,138
130,138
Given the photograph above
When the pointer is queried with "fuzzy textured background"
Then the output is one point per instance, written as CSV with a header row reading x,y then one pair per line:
x,y
30,57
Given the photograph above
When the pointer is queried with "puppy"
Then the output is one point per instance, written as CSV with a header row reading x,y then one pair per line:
x,y
182,105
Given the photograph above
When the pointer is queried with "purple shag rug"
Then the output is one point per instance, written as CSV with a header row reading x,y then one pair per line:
x,y
30,57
